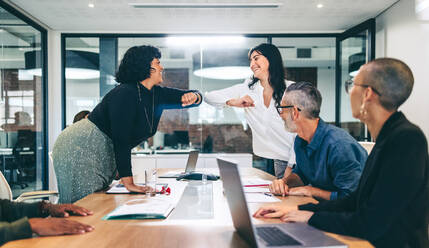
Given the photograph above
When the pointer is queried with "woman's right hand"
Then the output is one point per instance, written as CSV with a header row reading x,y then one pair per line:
x,y
245,101
128,182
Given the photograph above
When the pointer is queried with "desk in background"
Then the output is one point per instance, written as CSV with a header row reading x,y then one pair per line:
x,y
140,162
217,231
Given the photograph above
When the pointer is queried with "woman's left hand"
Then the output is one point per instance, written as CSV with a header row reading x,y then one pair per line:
x,y
297,216
189,98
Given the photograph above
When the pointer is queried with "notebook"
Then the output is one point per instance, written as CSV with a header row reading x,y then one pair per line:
x,y
146,208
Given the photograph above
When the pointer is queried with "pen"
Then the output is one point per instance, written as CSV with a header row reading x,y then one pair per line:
x,y
268,194
145,178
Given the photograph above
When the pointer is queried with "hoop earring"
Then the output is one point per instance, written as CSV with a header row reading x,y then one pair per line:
x,y
363,111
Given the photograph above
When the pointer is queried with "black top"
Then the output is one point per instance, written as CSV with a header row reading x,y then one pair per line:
x,y
390,206
130,113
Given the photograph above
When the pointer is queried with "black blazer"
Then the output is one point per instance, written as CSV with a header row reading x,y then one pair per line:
x,y
390,206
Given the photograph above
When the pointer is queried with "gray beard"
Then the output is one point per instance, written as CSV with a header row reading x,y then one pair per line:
x,y
289,125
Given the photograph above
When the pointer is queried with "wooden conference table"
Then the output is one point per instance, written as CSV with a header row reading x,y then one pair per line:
x,y
192,228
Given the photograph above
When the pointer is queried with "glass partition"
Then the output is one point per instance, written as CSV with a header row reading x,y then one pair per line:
x,y
312,60
21,104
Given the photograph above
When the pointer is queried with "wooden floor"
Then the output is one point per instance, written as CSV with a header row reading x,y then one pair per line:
x,y
217,231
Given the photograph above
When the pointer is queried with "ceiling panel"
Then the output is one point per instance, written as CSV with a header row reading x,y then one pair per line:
x,y
118,16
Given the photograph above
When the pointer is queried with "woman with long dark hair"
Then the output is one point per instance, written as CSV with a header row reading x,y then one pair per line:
x,y
88,154
259,97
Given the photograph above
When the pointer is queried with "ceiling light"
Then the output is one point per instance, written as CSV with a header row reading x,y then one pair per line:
x,y
91,5
223,64
79,64
204,40
320,5
205,5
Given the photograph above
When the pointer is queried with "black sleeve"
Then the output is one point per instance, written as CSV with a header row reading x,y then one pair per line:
x,y
122,114
171,98
11,211
401,177
347,203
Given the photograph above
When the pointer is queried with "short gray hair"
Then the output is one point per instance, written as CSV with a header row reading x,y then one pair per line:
x,y
306,97
392,78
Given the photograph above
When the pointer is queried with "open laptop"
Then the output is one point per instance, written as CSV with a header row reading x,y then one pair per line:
x,y
266,235
190,165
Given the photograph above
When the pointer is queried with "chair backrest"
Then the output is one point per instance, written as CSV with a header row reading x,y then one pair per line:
x,y
53,184
5,192
367,145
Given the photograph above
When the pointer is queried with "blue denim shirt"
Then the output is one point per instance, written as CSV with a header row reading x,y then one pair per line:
x,y
333,160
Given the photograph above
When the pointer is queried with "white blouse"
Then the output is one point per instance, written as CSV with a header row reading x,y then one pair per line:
x,y
270,138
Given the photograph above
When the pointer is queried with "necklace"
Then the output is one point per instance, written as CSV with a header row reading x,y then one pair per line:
x,y
150,124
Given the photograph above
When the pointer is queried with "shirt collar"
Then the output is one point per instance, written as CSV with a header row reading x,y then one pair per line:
x,y
318,136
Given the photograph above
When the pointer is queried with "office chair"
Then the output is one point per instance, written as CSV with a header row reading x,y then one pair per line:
x,y
24,162
6,192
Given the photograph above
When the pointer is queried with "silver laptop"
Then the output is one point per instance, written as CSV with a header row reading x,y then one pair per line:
x,y
190,165
266,235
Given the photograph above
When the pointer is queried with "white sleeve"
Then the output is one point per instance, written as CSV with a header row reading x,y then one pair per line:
x,y
292,158
218,98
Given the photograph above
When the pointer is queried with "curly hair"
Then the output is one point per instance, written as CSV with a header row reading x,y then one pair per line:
x,y
276,77
136,64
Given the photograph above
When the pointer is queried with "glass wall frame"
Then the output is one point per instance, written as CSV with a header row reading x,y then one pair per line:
x,y
41,99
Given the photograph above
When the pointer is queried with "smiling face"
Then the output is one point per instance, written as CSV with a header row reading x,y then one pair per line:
x,y
259,65
156,71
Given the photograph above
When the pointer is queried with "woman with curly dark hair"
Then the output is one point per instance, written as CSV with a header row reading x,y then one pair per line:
x,y
259,97
88,154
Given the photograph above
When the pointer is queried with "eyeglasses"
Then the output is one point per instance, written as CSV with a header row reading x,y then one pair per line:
x,y
280,108
350,83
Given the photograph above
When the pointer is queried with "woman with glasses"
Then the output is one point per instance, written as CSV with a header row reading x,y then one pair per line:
x,y
90,153
259,97
390,207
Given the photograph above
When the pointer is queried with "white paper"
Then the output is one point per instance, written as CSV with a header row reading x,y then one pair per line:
x,y
256,181
260,197
256,190
120,188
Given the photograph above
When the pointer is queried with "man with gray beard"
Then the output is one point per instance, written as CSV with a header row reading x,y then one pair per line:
x,y
329,161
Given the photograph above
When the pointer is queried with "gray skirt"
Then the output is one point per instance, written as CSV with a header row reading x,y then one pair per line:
x,y
84,161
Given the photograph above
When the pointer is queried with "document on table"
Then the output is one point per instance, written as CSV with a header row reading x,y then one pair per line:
x,y
256,190
260,197
146,208
120,188
255,182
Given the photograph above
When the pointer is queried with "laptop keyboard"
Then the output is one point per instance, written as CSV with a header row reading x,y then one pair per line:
x,y
273,236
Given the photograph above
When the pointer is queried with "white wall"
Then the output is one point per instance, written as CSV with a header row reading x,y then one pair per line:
x,y
401,35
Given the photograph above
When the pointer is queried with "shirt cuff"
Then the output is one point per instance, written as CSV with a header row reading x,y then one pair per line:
x,y
334,196
19,229
308,207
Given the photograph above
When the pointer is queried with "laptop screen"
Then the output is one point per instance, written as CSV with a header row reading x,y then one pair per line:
x,y
236,200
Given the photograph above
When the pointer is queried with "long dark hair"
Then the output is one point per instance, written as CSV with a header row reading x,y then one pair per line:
x,y
276,77
136,64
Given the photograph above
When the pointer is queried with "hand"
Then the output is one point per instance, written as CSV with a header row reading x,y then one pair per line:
x,y
273,211
301,191
189,98
245,101
64,210
297,216
56,226
128,182
279,187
